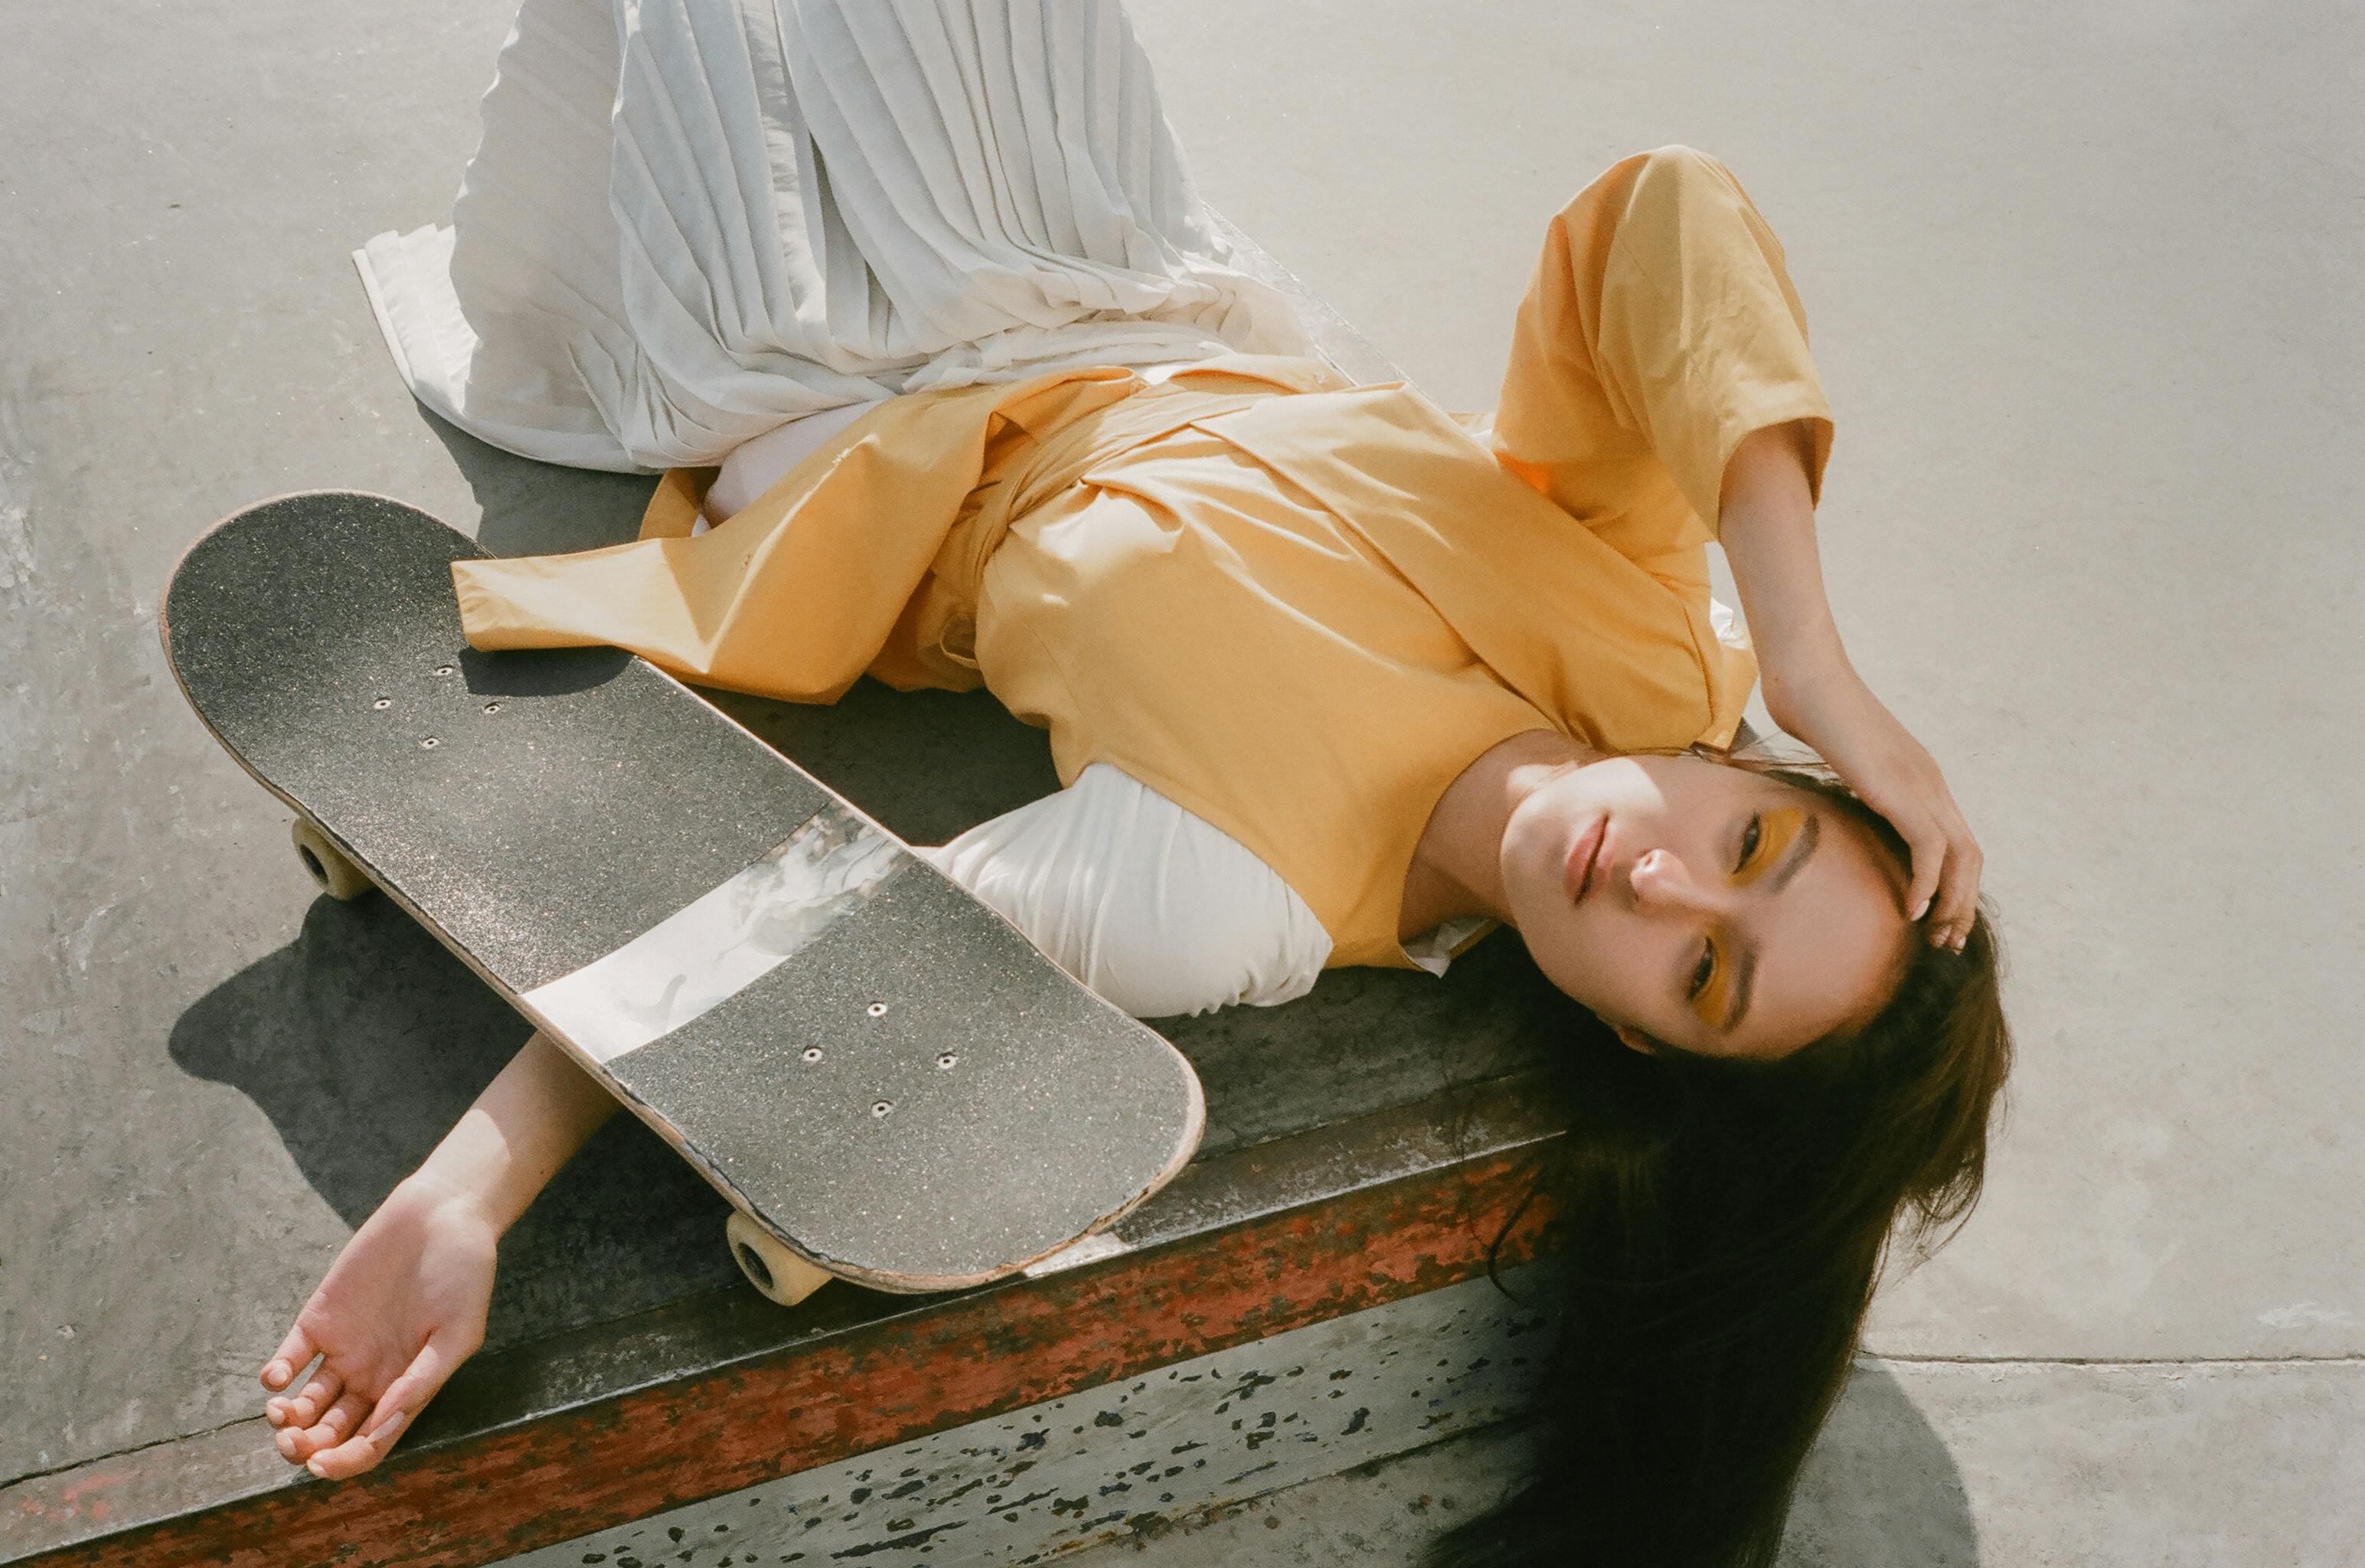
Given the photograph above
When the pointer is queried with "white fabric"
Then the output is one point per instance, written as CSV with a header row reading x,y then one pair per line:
x,y
1436,950
756,466
1155,908
692,220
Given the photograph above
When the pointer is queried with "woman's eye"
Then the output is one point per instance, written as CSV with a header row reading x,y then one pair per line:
x,y
1750,839
1703,971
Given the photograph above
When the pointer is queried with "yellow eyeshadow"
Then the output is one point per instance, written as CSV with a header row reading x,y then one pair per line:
x,y
1776,830
1711,1001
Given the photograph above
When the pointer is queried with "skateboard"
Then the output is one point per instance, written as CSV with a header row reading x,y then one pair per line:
x,y
885,1078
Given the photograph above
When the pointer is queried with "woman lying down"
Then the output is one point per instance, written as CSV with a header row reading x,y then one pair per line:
x,y
1331,676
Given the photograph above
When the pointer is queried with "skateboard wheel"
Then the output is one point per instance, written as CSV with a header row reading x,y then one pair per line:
x,y
779,1274
339,878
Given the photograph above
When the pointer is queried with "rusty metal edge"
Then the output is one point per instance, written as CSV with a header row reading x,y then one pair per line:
x,y
724,1390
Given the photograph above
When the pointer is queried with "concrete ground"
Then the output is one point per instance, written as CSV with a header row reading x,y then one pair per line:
x,y
2081,281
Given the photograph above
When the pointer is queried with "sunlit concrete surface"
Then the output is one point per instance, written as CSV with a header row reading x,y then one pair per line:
x,y
2082,285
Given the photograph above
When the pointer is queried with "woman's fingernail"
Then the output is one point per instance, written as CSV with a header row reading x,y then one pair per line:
x,y
276,1373
393,1419
314,1466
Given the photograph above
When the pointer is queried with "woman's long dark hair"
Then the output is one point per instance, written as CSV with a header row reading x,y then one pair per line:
x,y
1726,1222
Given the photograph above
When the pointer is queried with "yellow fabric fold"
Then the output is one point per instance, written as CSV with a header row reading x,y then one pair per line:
x,y
797,594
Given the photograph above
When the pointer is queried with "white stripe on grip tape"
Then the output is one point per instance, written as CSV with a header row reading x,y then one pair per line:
x,y
722,942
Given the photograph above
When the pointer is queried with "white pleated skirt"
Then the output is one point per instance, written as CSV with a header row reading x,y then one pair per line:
x,y
690,221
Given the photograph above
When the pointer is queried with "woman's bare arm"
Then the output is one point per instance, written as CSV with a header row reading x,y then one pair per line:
x,y
405,1302
527,1123
1767,527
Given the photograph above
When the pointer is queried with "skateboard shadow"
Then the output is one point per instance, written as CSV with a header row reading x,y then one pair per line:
x,y
1879,1488
365,1040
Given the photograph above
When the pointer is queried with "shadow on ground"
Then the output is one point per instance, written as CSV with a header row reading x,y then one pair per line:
x,y
1880,1491
537,509
1880,1488
365,1040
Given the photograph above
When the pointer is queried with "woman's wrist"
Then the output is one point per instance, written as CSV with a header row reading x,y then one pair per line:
x,y
1814,707
1767,528
525,1125
465,1177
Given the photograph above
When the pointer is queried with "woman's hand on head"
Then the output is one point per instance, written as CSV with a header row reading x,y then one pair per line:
x,y
1833,711
1768,525
401,1308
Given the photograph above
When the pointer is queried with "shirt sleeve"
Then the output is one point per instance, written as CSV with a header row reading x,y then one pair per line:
x,y
1150,905
1659,329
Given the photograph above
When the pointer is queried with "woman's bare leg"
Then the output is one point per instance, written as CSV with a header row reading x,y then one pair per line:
x,y
404,1304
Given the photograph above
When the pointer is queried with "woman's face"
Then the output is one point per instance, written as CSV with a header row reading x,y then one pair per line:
x,y
1704,906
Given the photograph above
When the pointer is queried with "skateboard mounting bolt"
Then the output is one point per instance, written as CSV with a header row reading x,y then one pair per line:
x,y
946,1060
492,707
431,743
812,1053
443,670
882,1107
877,1009
383,703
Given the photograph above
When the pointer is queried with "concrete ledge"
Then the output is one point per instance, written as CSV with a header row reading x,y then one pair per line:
x,y
724,1390
1135,1460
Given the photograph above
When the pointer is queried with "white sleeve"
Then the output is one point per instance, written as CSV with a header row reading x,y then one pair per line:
x,y
1156,908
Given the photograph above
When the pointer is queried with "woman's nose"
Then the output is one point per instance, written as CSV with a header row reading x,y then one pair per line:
x,y
1661,880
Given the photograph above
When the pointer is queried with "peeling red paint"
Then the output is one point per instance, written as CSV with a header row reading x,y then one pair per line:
x,y
977,1356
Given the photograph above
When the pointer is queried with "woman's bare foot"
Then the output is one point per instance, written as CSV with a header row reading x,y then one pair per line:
x,y
402,1306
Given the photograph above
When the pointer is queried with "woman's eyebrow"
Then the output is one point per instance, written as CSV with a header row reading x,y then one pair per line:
x,y
1807,834
1744,969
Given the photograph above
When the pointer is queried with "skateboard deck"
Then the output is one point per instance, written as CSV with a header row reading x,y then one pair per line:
x,y
876,1070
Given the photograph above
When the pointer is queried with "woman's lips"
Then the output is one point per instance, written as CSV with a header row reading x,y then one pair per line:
x,y
1578,878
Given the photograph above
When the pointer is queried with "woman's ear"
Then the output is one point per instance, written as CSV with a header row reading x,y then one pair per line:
x,y
1634,1039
